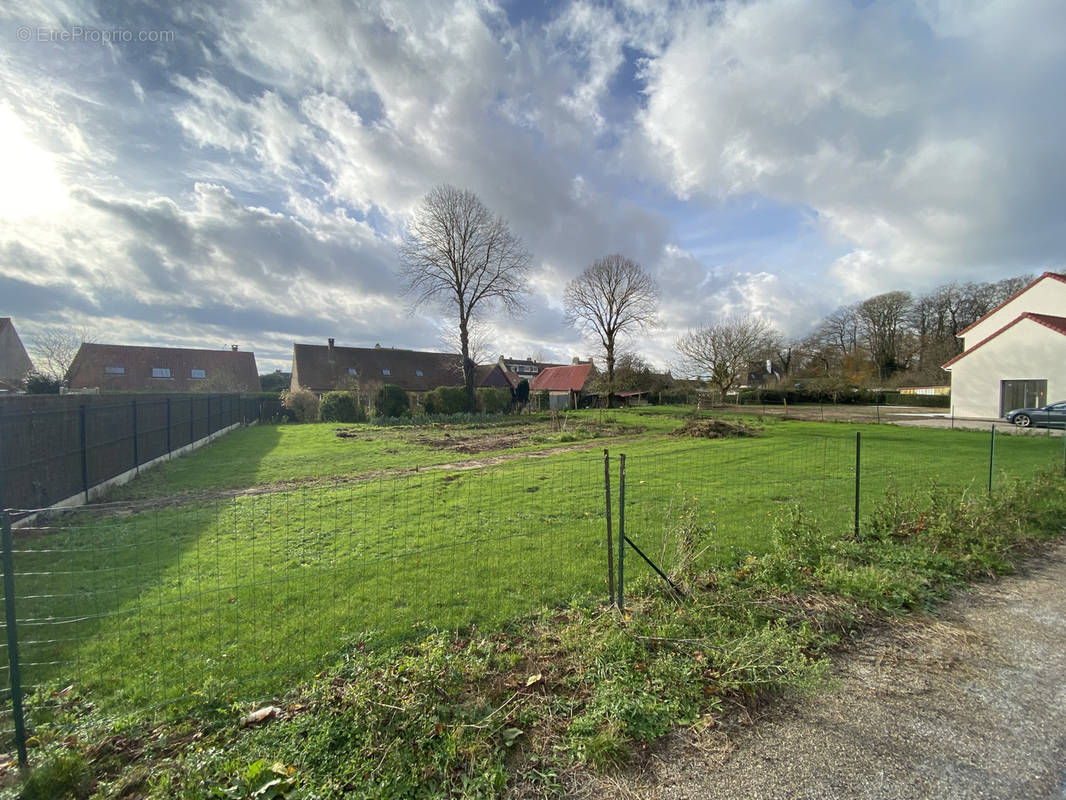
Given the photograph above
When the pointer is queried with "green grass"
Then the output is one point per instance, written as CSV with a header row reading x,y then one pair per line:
x,y
484,713
212,601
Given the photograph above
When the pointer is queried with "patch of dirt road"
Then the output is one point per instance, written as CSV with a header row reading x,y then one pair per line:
x,y
969,703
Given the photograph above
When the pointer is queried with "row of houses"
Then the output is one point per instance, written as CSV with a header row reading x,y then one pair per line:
x,y
321,368
1013,357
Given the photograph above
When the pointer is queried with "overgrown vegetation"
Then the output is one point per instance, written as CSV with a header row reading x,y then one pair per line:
x,y
303,403
481,712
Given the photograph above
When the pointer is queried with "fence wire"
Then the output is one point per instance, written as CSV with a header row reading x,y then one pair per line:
x,y
158,605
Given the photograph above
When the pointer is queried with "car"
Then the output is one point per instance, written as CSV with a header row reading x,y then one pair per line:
x,y
1049,416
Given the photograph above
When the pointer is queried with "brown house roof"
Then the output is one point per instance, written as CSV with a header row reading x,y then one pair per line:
x,y
561,379
129,368
14,361
1057,324
322,368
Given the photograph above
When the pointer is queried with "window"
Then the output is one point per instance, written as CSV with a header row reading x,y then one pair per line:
x,y
353,371
199,374
160,372
418,372
386,372
114,370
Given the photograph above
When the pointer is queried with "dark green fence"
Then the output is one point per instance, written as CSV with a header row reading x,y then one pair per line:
x,y
55,448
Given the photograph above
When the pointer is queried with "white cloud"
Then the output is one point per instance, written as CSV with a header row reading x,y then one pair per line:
x,y
908,128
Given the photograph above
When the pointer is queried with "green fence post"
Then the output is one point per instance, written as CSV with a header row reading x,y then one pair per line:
x,y
610,540
168,426
84,453
12,640
136,453
858,470
621,529
991,457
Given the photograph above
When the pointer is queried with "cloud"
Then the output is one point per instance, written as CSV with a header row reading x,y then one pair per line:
x,y
918,133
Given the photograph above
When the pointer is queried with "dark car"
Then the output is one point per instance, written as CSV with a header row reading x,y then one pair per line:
x,y
1050,416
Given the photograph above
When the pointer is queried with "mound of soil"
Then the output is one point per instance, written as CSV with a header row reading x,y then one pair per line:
x,y
714,429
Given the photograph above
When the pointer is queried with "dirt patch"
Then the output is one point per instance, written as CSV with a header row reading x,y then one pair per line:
x,y
715,429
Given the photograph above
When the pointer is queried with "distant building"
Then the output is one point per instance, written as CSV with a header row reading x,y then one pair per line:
x,y
131,368
324,368
523,368
565,385
14,361
925,390
1014,356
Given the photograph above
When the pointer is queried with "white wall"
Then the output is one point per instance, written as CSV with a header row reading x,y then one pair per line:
x,y
1046,296
1027,351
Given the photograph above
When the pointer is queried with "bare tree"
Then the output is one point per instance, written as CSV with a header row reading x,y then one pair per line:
x,y
54,349
612,296
723,351
884,325
459,255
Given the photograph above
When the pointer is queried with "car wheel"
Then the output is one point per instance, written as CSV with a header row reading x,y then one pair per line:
x,y
1022,421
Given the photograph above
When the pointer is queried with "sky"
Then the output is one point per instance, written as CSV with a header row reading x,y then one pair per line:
x,y
202,174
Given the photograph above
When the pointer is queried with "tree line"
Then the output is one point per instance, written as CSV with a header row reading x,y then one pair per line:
x,y
460,256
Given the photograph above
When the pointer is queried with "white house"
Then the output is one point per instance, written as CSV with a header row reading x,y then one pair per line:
x,y
1014,356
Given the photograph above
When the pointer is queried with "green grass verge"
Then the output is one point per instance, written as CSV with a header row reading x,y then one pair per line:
x,y
479,713
148,608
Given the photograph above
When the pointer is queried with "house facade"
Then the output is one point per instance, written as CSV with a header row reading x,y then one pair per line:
x,y
326,368
130,368
1014,356
565,385
14,360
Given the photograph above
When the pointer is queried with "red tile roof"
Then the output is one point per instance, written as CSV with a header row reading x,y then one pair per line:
x,y
561,379
97,365
1057,324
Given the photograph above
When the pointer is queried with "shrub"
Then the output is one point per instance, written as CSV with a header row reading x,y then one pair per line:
x,y
391,401
446,400
521,392
303,403
341,407
36,383
493,401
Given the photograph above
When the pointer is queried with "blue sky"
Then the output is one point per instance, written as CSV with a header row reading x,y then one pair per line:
x,y
202,174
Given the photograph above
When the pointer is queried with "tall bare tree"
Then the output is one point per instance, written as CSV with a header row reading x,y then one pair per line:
x,y
54,349
884,325
459,255
722,351
612,296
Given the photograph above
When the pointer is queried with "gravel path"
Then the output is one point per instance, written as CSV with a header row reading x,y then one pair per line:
x,y
968,704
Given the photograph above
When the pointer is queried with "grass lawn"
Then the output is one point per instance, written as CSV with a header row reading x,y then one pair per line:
x,y
216,599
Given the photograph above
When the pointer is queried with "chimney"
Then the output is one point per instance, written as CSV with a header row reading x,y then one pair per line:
x,y
233,347
330,349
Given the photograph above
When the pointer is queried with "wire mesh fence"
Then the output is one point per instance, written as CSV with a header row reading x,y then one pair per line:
x,y
57,447
157,605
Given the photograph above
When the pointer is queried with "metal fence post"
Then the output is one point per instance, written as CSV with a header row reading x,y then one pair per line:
x,y
621,529
12,639
84,452
168,426
858,481
136,452
610,540
991,457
